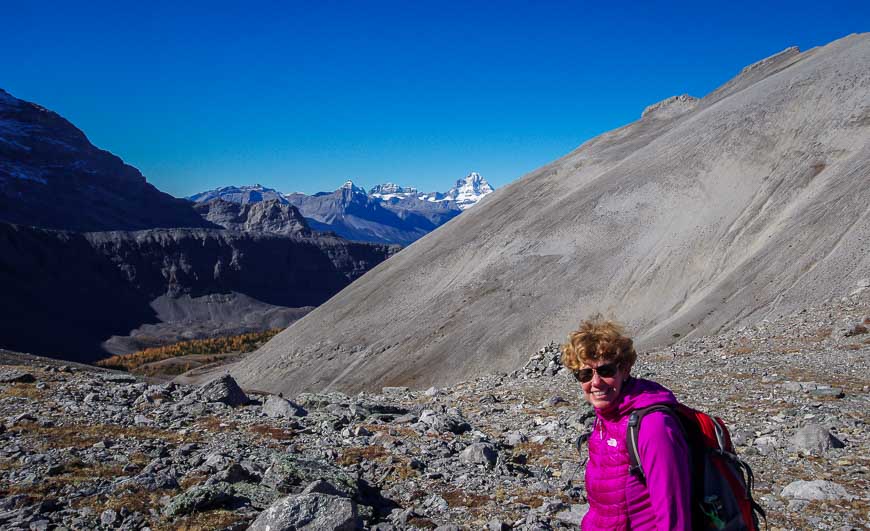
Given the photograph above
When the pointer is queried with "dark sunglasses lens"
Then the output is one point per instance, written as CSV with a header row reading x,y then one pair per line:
x,y
583,375
606,371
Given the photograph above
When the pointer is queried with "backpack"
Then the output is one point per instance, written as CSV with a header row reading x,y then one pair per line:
x,y
722,483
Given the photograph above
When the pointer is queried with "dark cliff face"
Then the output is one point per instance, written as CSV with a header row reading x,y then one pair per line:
x,y
51,176
65,293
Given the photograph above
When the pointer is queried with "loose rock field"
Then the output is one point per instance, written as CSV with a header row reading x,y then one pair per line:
x,y
82,448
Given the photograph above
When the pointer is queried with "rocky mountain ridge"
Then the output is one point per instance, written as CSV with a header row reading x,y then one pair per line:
x,y
90,449
51,176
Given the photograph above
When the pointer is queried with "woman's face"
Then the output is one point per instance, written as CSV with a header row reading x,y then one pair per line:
x,y
603,388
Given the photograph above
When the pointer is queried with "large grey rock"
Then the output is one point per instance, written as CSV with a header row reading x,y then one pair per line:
x,y
479,454
277,407
309,512
17,377
814,438
815,490
222,389
442,422
291,474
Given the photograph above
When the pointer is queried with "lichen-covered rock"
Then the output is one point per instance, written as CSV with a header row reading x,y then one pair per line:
x,y
290,474
199,498
258,496
309,512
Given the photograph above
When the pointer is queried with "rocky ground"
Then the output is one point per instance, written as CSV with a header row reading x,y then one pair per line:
x,y
87,449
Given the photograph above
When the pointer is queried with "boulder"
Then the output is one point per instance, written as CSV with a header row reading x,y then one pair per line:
x,y
815,490
119,377
199,498
277,407
309,512
516,437
223,389
443,423
479,454
814,438
17,377
290,474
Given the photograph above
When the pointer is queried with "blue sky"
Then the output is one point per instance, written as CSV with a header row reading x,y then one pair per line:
x,y
301,96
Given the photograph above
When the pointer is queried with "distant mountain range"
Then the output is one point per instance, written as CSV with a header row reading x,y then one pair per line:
x,y
388,213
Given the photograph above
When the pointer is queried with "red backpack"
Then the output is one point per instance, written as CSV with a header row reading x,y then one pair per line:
x,y
721,481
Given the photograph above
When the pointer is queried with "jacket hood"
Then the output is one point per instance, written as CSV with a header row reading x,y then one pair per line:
x,y
638,393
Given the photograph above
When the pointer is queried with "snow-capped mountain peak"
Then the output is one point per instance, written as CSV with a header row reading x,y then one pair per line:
x,y
348,185
468,191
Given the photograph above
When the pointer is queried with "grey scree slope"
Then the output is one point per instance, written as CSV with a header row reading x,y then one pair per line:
x,y
703,215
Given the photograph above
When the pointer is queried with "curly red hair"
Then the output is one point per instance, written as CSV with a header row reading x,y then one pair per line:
x,y
598,339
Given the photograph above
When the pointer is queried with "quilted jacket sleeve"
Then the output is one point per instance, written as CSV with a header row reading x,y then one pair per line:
x,y
665,460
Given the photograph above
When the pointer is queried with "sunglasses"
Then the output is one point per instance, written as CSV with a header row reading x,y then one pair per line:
x,y
604,371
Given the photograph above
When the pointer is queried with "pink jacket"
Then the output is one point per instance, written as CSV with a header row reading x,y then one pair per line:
x,y
618,500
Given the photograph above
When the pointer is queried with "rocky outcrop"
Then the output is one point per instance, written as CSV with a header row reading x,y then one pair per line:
x,y
88,287
271,216
51,176
671,107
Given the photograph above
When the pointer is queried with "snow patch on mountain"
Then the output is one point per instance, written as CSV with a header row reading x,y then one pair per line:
x,y
389,191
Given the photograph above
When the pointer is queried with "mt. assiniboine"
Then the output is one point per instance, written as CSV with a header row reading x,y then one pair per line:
x,y
387,213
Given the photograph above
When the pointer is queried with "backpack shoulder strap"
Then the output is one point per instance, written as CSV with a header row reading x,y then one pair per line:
x,y
634,465
582,440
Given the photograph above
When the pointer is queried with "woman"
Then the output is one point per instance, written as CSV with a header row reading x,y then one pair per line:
x,y
601,358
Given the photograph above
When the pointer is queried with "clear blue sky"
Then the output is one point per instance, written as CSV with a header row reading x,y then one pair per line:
x,y
301,96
